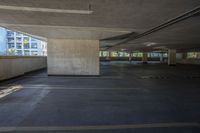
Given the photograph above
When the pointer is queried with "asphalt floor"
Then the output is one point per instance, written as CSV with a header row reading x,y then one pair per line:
x,y
125,98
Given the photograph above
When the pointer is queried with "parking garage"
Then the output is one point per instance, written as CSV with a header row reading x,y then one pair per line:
x,y
111,66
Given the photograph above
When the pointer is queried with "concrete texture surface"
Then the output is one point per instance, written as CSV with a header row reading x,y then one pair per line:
x,y
171,57
123,94
73,57
12,66
109,18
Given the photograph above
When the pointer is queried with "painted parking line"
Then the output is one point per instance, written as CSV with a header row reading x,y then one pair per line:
x,y
6,90
98,127
77,77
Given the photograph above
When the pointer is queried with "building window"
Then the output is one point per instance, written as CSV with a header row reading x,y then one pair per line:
x,y
26,52
18,34
19,52
11,45
19,45
18,39
34,46
192,55
137,54
10,40
34,52
10,34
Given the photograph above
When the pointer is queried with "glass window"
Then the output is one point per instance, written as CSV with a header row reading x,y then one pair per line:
x,y
19,45
18,39
11,45
33,40
192,55
105,53
34,46
126,54
137,54
10,40
114,54
18,34
10,34
19,52
26,52
34,52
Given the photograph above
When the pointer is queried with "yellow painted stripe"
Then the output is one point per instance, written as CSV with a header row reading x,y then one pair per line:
x,y
97,127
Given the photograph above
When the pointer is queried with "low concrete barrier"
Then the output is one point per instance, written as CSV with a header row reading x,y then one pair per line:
x,y
13,66
190,61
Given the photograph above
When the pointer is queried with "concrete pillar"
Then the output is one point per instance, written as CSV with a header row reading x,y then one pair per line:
x,y
108,56
198,55
161,58
171,57
130,57
101,52
184,55
145,57
73,57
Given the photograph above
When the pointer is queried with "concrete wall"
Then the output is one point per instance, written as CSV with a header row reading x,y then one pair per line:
x,y
182,59
12,66
73,57
190,61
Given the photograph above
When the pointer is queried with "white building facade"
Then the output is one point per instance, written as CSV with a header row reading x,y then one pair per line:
x,y
25,45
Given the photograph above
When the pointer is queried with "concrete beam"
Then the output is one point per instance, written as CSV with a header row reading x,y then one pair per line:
x,y
73,57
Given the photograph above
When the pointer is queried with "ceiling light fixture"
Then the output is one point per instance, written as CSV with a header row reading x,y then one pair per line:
x,y
123,49
49,10
148,44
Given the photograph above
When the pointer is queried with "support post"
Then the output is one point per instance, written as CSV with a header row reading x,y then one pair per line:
x,y
161,58
184,56
172,57
145,58
130,57
73,57
198,55
108,56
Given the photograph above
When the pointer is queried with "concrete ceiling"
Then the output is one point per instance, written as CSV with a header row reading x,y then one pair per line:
x,y
109,18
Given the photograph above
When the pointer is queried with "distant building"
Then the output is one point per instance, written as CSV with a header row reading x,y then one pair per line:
x,y
25,45
3,41
20,44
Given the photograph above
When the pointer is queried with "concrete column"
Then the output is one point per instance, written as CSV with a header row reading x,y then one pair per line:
x,y
161,58
184,55
198,55
108,56
171,57
130,57
101,53
145,57
73,57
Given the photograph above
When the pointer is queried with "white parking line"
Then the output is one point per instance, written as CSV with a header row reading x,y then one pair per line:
x,y
9,89
97,127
